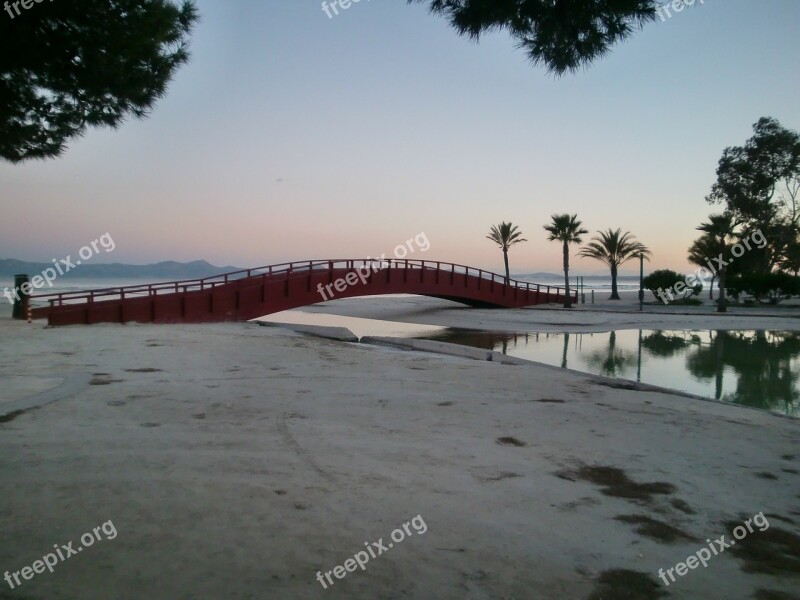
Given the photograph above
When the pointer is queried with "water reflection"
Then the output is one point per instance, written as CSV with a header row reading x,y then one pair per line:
x,y
756,368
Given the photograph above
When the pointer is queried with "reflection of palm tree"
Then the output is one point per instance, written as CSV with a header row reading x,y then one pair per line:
x,y
639,358
564,354
762,363
611,362
720,368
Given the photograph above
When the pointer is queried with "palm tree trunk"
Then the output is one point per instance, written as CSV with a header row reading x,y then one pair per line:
x,y
567,298
711,287
718,364
721,306
614,291
505,259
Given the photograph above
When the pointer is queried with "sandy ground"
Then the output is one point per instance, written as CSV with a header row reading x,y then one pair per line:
x,y
236,461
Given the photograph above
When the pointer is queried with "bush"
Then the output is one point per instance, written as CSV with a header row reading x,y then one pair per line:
x,y
773,287
690,301
667,280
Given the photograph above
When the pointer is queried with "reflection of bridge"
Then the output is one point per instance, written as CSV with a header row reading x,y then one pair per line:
x,y
252,293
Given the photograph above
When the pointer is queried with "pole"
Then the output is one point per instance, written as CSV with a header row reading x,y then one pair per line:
x,y
21,301
641,282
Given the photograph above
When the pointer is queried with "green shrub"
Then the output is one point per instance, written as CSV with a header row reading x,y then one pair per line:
x,y
773,287
665,280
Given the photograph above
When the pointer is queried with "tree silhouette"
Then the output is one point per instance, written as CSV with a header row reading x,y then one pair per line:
x,y
73,64
720,228
567,230
614,248
505,235
563,35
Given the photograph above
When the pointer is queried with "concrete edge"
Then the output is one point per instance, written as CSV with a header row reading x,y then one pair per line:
x,y
340,334
430,346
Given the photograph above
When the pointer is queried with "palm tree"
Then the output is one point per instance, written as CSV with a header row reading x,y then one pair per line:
x,y
720,228
505,235
567,230
614,249
700,252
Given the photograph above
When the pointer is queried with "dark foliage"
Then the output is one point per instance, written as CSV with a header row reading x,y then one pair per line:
x,y
73,64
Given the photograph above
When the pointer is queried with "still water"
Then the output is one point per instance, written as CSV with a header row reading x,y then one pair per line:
x,y
756,368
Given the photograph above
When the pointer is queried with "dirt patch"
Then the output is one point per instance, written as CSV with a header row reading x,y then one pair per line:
x,y
773,595
499,477
103,379
511,441
12,415
682,506
655,529
615,482
771,516
622,584
550,401
765,475
774,551
145,370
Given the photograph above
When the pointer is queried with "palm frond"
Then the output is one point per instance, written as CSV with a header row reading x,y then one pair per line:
x,y
505,235
614,248
565,228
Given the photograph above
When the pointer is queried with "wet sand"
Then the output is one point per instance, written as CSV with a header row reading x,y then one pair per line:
x,y
236,461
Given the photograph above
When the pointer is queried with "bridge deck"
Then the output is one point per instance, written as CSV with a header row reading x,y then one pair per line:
x,y
251,293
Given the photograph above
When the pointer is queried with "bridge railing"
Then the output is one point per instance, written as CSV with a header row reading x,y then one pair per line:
x,y
287,270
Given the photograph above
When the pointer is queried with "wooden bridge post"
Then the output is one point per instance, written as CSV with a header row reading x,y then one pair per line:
x,y
20,310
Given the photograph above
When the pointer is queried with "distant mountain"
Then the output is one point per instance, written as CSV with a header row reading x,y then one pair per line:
x,y
164,270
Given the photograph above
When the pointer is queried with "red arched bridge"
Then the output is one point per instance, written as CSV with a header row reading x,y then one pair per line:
x,y
251,293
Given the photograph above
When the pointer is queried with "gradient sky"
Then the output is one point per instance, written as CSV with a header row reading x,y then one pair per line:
x,y
292,136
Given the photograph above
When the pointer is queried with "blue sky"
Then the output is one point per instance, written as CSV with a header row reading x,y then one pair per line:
x,y
291,136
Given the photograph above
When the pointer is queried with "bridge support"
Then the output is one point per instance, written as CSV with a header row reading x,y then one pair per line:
x,y
21,299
